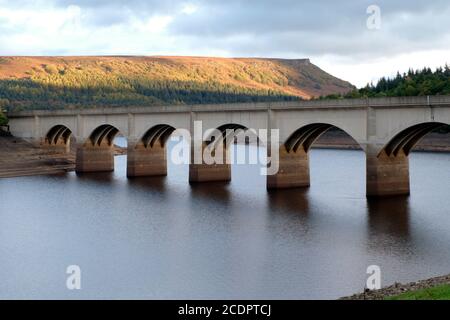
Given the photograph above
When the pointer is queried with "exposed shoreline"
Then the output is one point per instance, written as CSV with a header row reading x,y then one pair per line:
x,y
398,288
19,158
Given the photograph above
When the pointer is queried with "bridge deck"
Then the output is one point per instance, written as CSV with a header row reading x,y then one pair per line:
x,y
391,102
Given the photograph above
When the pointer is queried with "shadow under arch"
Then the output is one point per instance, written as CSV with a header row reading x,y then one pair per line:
x,y
58,133
388,169
303,138
156,134
59,138
405,140
103,135
97,152
212,161
227,134
293,163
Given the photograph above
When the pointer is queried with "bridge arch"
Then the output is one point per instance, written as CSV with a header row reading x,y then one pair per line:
x,y
103,136
227,132
220,137
148,155
96,154
58,138
156,136
293,156
304,137
295,122
406,139
388,168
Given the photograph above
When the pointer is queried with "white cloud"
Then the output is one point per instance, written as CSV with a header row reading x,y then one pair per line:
x,y
156,24
362,72
189,8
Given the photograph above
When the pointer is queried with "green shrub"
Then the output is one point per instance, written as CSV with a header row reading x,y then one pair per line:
x,y
3,119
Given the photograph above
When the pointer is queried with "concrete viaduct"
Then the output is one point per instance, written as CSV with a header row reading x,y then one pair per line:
x,y
385,128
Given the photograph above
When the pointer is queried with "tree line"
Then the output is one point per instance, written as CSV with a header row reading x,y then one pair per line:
x,y
422,82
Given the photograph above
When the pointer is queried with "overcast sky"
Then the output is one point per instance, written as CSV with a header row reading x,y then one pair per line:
x,y
334,34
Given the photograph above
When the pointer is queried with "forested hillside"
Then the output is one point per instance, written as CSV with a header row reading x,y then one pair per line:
x,y
413,83
73,82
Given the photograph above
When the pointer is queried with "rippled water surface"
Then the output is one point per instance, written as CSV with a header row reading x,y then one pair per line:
x,y
164,238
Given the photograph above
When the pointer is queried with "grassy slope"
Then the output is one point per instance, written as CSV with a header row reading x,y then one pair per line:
x,y
125,76
441,292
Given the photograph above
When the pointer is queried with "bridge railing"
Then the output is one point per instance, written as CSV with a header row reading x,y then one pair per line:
x,y
385,102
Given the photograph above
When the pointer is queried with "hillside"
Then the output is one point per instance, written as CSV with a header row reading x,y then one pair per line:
x,y
72,82
423,82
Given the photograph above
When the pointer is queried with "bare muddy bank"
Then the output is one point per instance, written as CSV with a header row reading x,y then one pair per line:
x,y
399,288
20,158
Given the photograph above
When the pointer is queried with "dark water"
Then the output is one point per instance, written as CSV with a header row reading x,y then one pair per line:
x,y
162,238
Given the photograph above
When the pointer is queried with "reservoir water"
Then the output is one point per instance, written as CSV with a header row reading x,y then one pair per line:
x,y
161,238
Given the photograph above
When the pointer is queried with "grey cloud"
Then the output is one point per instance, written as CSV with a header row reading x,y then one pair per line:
x,y
109,13
234,16
317,27
277,27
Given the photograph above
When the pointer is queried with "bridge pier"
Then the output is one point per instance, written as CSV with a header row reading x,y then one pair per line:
x,y
293,170
94,158
387,175
210,172
146,161
59,147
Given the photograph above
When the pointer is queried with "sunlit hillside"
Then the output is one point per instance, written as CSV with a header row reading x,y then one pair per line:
x,y
73,82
